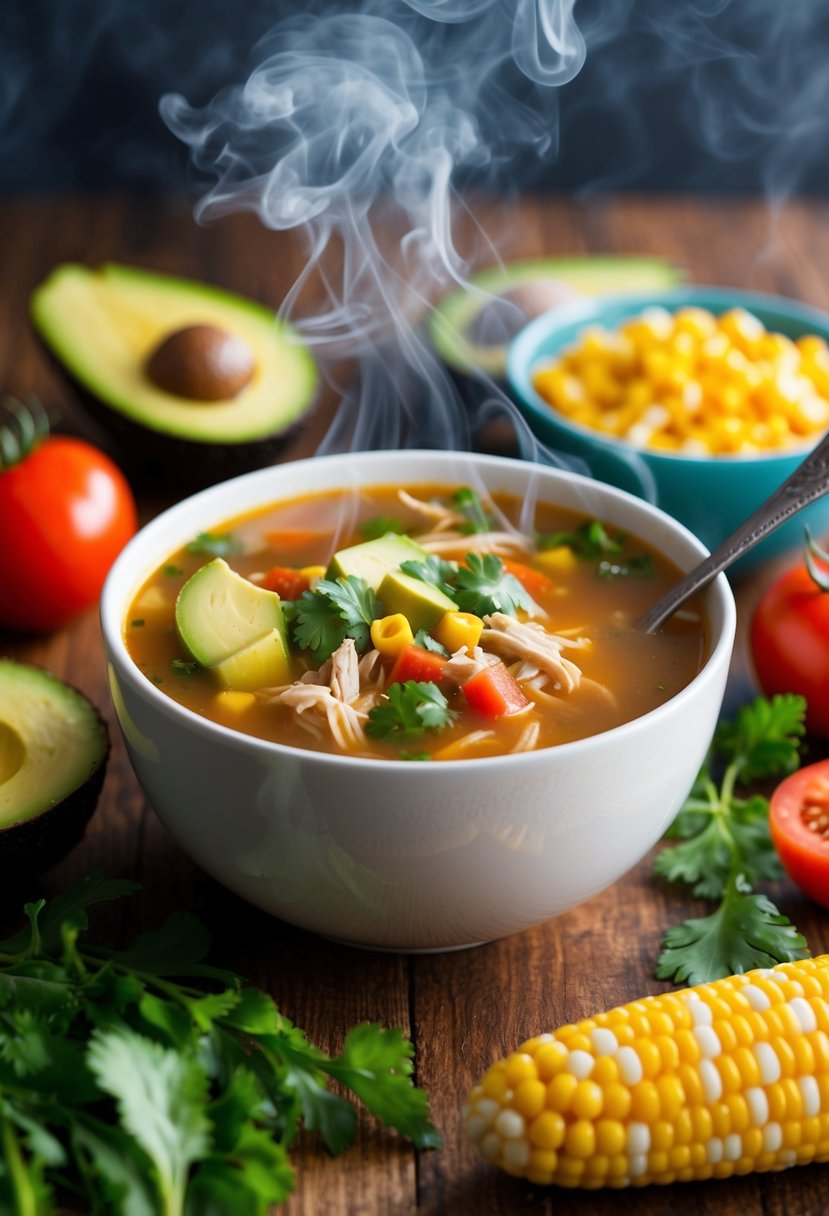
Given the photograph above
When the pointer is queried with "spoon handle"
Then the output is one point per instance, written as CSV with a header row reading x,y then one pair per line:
x,y
808,482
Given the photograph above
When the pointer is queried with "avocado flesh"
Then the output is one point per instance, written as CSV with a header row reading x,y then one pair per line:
x,y
233,627
102,324
373,559
53,753
422,604
451,325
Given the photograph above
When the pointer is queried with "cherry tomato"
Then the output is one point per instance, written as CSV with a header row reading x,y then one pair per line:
x,y
799,819
790,643
66,511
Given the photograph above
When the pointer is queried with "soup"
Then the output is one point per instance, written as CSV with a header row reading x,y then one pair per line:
x,y
422,624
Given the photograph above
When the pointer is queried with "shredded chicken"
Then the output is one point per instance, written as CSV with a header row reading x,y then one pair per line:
x,y
332,694
466,663
528,738
527,640
441,515
503,544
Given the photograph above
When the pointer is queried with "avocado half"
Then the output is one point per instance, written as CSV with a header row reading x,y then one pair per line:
x,y
472,328
53,755
103,326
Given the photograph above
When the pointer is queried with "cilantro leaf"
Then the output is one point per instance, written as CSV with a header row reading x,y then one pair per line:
x,y
335,610
214,544
764,738
483,586
161,1096
408,711
427,642
381,525
435,571
590,539
725,848
745,931
469,504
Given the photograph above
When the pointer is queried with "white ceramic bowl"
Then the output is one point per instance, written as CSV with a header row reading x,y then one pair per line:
x,y
390,854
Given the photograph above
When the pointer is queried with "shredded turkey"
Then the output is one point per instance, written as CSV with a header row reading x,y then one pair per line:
x,y
330,695
527,640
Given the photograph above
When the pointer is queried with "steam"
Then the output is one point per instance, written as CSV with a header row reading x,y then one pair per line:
x,y
360,131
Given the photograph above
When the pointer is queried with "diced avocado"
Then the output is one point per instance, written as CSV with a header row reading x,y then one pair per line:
x,y
422,604
373,559
261,665
53,753
472,327
233,627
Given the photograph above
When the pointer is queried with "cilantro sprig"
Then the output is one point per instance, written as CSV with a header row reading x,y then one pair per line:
x,y
321,620
126,1089
590,539
476,518
725,849
215,544
408,710
481,585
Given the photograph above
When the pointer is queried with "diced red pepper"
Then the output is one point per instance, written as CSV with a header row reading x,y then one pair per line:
x,y
417,663
535,582
494,693
288,583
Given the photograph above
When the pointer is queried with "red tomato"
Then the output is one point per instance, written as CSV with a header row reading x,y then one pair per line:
x,y
289,584
66,512
790,643
494,693
799,819
416,663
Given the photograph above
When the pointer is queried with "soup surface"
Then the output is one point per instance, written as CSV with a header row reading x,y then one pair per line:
x,y
422,623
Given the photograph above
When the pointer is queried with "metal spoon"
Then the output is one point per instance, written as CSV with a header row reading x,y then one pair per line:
x,y
808,482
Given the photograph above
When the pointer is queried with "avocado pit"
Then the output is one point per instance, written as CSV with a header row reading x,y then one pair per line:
x,y
201,363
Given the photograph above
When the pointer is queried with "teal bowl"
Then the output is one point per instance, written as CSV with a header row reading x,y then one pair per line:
x,y
711,495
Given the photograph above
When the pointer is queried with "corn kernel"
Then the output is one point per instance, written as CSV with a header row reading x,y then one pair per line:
x,y
551,1059
559,560
495,1082
235,702
547,1130
580,1139
520,1067
529,1098
313,573
457,629
389,634
560,1091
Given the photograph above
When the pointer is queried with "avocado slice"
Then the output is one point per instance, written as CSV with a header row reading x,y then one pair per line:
x,y
233,628
373,559
472,328
422,604
53,753
105,325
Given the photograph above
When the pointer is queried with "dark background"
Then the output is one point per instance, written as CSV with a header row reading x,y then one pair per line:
x,y
710,95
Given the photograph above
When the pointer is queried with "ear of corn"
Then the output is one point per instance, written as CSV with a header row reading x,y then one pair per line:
x,y
706,1082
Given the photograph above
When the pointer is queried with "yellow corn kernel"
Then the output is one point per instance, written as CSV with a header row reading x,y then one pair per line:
x,y
389,634
559,560
313,573
457,629
235,702
753,1096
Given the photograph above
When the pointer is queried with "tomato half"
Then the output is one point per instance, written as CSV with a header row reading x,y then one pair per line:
x,y
790,643
66,511
799,820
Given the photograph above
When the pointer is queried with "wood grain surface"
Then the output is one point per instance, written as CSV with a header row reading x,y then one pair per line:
x,y
463,1009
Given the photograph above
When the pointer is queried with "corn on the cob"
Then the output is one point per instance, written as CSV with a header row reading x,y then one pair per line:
x,y
692,382
706,1082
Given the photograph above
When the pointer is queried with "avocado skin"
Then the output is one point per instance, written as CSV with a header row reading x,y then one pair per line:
x,y
36,844
145,454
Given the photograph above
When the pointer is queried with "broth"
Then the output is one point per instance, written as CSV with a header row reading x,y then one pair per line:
x,y
584,583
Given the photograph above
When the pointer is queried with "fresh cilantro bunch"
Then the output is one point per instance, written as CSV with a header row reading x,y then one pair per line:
x,y
725,849
408,710
125,1091
321,620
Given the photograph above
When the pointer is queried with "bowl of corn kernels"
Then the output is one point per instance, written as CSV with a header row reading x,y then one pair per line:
x,y
700,399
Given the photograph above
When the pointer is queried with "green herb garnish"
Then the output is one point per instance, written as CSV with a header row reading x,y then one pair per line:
x,y
427,642
322,619
215,544
469,504
408,710
482,586
171,571
435,571
726,849
381,525
590,539
185,667
126,1089
138,623
419,756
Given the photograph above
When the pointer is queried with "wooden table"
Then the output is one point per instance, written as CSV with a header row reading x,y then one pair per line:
x,y
464,1009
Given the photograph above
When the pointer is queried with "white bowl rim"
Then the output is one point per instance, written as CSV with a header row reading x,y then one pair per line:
x,y
521,362
113,607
